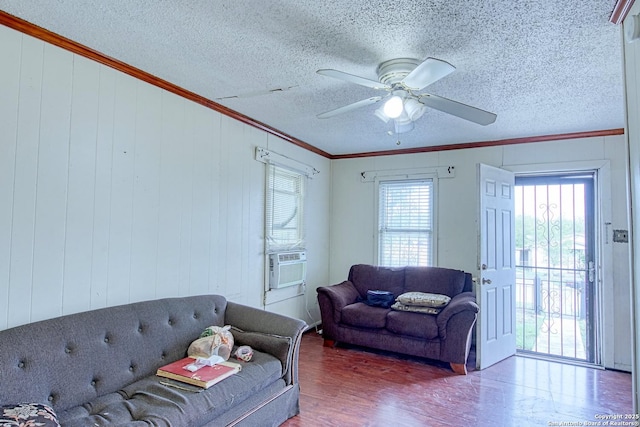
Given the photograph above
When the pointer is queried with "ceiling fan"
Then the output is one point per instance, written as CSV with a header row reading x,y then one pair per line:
x,y
403,78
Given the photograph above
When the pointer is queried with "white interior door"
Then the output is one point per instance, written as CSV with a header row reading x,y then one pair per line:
x,y
495,290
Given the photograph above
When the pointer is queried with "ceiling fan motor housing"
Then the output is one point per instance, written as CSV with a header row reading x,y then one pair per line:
x,y
395,70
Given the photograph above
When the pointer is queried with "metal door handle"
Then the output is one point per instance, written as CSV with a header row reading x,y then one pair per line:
x,y
486,281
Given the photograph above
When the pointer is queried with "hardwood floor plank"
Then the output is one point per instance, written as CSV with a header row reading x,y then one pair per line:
x,y
351,386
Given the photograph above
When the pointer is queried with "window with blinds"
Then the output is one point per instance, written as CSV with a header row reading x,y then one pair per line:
x,y
405,223
284,216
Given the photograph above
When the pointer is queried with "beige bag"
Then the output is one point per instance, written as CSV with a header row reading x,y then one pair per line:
x,y
215,340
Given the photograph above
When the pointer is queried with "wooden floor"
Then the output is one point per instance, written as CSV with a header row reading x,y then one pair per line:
x,y
355,387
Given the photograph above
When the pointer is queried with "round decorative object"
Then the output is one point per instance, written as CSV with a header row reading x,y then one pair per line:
x,y
244,353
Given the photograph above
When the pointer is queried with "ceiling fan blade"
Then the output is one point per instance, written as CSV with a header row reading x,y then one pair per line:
x,y
350,107
428,72
353,79
458,109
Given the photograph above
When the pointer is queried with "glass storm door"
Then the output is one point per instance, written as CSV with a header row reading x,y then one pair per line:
x,y
555,266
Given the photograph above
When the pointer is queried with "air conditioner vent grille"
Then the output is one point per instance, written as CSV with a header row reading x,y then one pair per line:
x,y
288,257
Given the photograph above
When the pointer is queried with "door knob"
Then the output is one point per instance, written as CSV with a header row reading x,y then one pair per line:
x,y
486,281
484,266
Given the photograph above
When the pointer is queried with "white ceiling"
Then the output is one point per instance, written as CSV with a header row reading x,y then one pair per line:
x,y
543,66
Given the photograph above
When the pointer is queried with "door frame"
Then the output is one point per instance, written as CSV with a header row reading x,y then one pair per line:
x,y
604,315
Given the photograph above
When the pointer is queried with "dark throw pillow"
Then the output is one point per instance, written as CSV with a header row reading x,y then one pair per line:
x,y
382,299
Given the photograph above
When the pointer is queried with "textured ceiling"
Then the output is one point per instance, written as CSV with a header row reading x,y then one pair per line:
x,y
543,66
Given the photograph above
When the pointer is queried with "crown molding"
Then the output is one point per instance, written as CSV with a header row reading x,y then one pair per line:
x,y
620,11
481,144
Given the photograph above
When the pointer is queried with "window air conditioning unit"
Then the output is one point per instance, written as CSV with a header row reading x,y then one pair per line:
x,y
287,269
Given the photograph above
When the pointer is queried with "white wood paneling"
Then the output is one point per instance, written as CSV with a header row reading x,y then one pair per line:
x,y
52,183
81,186
122,185
113,191
24,187
255,200
171,186
144,231
204,187
233,284
216,251
9,93
103,161
185,179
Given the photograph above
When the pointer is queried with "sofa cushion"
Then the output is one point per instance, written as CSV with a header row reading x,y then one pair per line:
x,y
149,402
424,299
366,277
362,315
434,280
412,324
415,308
28,414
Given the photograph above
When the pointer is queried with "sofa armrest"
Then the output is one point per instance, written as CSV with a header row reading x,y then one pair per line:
x,y
463,302
341,295
332,299
268,332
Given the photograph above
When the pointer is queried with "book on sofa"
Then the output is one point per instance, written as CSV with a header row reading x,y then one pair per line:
x,y
204,377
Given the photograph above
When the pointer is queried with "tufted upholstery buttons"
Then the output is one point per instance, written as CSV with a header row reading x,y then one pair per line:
x,y
67,350
140,329
50,398
170,321
106,339
21,365
93,383
131,368
195,315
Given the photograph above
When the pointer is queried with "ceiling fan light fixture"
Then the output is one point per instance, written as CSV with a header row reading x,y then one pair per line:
x,y
393,107
414,108
381,114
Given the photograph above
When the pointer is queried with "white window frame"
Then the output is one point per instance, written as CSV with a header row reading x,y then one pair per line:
x,y
434,203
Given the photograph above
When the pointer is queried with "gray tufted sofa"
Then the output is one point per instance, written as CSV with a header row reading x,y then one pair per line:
x,y
97,368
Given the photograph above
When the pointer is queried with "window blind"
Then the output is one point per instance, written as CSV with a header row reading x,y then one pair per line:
x,y
405,223
284,214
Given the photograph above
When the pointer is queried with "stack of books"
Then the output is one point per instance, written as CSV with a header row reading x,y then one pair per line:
x,y
204,377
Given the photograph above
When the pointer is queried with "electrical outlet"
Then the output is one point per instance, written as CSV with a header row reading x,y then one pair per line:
x,y
621,236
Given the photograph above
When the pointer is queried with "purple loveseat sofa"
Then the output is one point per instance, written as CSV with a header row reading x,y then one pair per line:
x,y
446,336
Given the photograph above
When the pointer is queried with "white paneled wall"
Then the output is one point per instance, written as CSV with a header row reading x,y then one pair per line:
x,y
113,190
